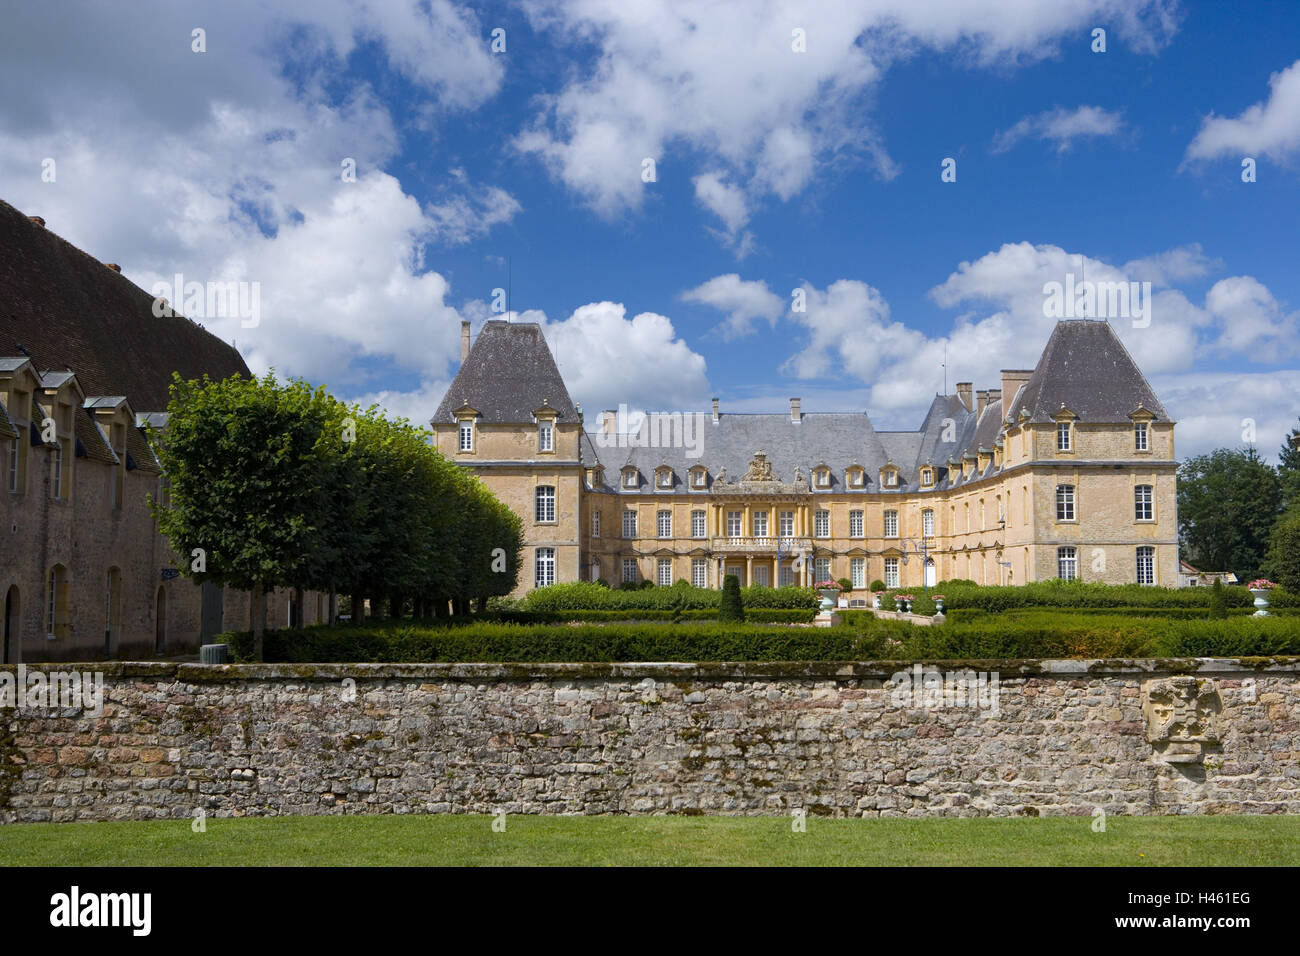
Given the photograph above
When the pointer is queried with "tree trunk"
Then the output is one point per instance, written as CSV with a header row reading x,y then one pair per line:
x,y
482,604
299,607
259,619
440,607
358,608
333,612
395,606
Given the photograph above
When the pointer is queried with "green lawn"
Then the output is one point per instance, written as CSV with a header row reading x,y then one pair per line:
x,y
602,841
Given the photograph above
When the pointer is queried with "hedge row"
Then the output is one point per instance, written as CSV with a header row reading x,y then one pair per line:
x,y
1084,636
691,641
756,615
586,595
1077,594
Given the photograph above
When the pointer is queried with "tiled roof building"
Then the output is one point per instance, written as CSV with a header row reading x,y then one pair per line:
x,y
1064,470
84,364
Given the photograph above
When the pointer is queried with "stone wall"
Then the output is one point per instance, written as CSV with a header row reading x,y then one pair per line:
x,y
1066,737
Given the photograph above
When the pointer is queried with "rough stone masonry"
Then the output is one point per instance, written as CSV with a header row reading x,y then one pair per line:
x,y
1067,737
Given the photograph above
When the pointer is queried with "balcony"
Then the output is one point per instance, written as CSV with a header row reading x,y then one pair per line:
x,y
761,545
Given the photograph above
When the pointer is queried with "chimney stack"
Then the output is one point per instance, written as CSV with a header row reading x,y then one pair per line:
x,y
464,341
608,421
796,411
715,411
38,220
981,400
964,393
1012,379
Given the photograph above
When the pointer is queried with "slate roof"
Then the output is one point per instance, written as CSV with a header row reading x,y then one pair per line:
x,y
70,311
508,374
1086,367
92,443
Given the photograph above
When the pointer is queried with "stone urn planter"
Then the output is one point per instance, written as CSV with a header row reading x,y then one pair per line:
x,y
1260,589
830,592
938,603
875,601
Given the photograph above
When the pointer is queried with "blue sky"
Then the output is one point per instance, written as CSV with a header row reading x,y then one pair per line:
x,y
776,169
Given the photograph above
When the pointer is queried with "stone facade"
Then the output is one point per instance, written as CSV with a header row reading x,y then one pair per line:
x,y
975,493
1066,738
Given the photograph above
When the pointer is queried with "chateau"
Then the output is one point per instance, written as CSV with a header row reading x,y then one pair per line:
x,y
85,366
1064,470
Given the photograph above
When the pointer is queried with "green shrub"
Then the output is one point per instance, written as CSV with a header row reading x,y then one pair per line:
x,y
732,608
877,585
1218,600
1284,553
845,584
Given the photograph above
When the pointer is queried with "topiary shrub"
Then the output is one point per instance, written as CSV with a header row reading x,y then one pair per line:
x,y
877,585
732,607
1218,600
1284,553
845,584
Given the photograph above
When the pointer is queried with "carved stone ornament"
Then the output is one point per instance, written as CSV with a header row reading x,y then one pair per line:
x,y
1182,717
760,469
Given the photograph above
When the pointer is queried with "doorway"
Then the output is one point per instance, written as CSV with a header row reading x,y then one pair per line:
x,y
930,573
12,626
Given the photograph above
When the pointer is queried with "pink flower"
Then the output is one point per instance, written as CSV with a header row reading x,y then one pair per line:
x,y
1262,584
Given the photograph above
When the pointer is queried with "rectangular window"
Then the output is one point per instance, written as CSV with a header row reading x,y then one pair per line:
x,y
1143,503
665,572
1146,565
855,524
595,524
822,524
1140,437
760,524
545,437
927,523
786,575
1065,502
51,603
545,567
822,570
891,572
466,436
58,470
700,572
13,465
698,527
629,571
858,572
701,478
762,576
1067,563
629,523
664,523
891,524
629,479
545,503
734,529
785,524
1062,436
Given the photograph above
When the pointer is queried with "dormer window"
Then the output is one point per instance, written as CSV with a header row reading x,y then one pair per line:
x,y
1141,437
857,476
822,476
927,477
466,442
889,477
631,478
546,436
699,477
1063,436
664,478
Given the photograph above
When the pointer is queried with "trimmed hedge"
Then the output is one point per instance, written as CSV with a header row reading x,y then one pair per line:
x,y
991,637
585,595
1077,594
412,643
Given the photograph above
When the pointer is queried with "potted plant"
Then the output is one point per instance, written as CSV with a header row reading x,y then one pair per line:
x,y
898,603
938,603
1260,589
829,591
907,603
876,600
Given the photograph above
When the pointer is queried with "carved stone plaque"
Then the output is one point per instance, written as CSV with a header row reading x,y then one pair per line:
x,y
1182,717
